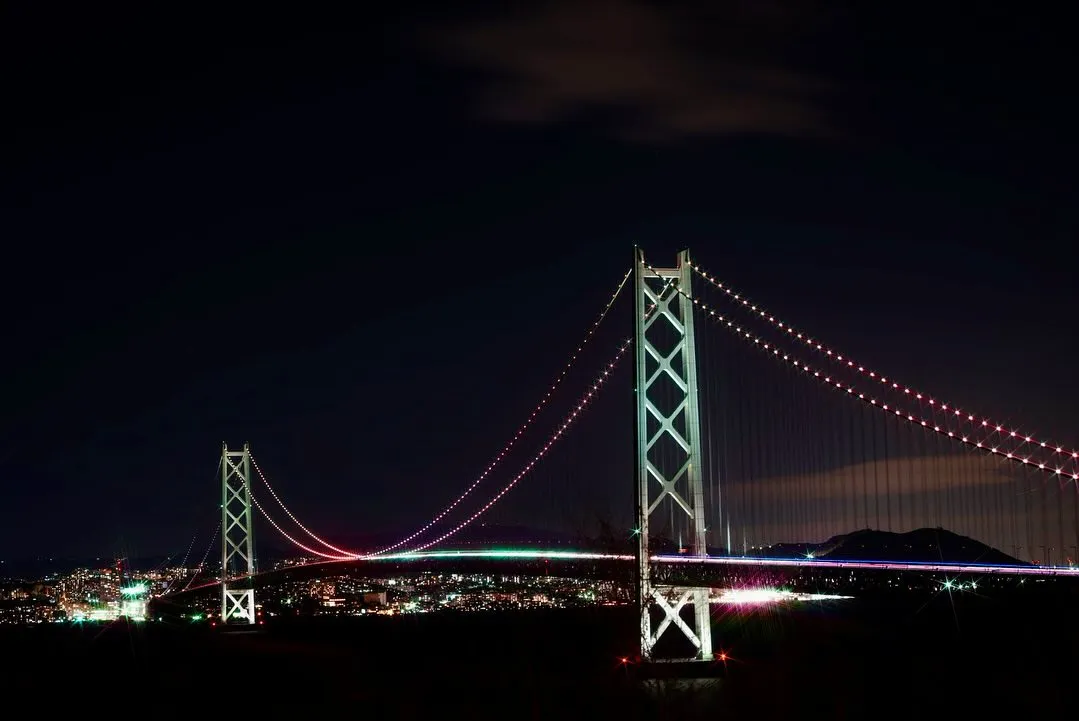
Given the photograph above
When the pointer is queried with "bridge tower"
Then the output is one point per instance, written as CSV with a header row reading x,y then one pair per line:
x,y
237,538
668,444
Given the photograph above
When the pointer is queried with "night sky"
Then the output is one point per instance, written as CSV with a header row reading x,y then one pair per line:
x,y
367,245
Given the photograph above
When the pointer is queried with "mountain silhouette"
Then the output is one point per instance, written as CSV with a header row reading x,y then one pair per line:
x,y
925,545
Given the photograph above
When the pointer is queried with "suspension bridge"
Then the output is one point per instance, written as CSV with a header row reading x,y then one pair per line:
x,y
754,439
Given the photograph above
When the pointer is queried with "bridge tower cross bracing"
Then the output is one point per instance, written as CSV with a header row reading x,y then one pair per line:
x,y
237,538
678,428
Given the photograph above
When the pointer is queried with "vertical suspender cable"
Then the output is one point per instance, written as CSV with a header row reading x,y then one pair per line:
x,y
1047,535
744,518
887,474
843,467
865,469
1074,489
876,474
1060,519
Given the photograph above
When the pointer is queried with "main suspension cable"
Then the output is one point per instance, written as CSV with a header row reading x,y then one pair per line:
x,y
277,527
291,516
202,563
584,402
851,364
849,389
499,457
581,405
520,431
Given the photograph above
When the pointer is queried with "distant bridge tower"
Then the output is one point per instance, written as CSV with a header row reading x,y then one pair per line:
x,y
668,443
237,538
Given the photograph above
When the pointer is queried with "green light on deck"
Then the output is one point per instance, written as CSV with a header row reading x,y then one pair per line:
x,y
137,590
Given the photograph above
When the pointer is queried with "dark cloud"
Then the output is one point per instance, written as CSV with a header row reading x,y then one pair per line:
x,y
911,477
661,70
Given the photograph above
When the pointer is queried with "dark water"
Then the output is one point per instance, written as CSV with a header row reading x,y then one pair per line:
x,y
946,658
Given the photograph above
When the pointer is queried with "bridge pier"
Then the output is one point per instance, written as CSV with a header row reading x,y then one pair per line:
x,y
668,446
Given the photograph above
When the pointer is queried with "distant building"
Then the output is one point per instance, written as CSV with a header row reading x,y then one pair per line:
x,y
375,598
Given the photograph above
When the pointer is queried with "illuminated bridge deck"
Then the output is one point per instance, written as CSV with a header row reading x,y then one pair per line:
x,y
526,554
529,554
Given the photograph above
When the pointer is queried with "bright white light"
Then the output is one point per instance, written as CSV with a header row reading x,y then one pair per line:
x,y
763,596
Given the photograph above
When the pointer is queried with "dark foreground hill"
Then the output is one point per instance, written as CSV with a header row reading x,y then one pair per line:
x,y
966,655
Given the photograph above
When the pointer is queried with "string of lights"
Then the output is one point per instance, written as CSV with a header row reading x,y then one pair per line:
x,y
837,357
850,390
581,405
520,431
272,522
291,516
183,563
202,563
554,437
498,458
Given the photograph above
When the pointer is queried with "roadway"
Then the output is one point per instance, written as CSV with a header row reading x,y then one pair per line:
x,y
524,554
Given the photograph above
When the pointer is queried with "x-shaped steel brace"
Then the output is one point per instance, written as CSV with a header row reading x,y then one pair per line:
x,y
236,605
671,615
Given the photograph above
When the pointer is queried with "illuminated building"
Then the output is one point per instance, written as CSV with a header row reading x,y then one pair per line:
x,y
133,599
